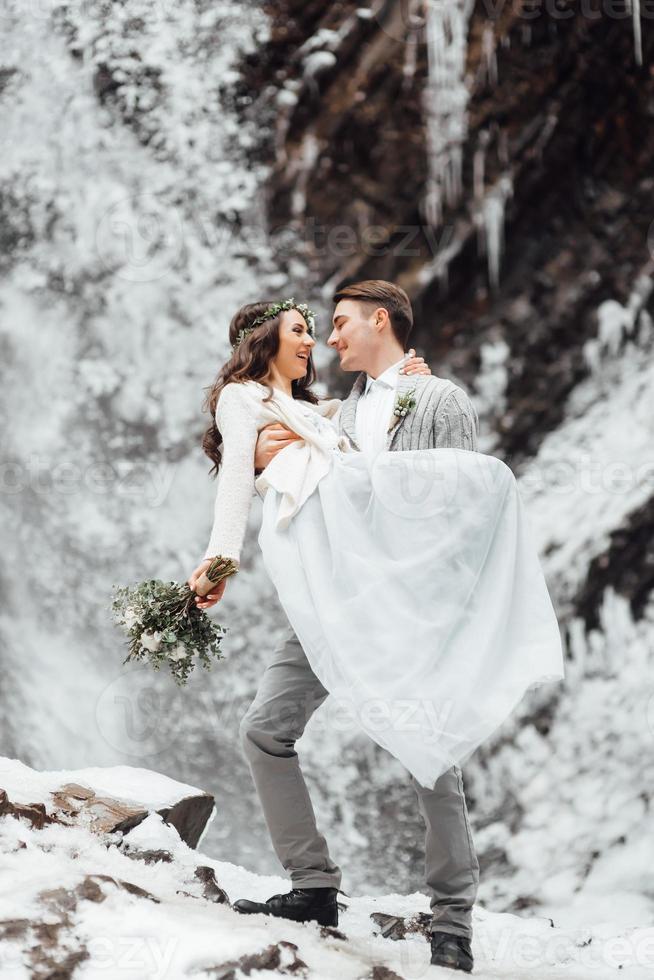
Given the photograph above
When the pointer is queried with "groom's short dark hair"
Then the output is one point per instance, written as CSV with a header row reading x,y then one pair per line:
x,y
378,292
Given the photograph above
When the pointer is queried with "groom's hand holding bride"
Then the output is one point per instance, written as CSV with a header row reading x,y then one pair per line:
x,y
275,437
272,439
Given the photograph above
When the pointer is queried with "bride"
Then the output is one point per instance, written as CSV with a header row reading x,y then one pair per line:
x,y
410,578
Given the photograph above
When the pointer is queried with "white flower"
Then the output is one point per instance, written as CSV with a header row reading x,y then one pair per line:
x,y
178,652
131,618
151,641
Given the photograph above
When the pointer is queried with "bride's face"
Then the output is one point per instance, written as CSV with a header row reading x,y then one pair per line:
x,y
295,346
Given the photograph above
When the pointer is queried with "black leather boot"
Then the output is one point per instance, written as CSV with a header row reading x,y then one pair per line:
x,y
300,905
451,951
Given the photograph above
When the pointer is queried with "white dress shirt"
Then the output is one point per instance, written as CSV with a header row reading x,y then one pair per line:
x,y
374,409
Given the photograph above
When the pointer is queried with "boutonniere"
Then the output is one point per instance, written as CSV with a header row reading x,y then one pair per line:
x,y
404,403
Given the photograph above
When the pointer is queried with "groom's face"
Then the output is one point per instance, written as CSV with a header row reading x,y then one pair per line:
x,y
353,336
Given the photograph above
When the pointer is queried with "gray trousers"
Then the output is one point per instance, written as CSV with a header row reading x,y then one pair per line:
x,y
287,696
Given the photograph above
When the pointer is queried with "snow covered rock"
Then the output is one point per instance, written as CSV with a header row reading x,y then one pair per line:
x,y
104,800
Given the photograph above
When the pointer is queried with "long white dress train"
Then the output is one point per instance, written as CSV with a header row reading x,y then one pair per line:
x,y
414,585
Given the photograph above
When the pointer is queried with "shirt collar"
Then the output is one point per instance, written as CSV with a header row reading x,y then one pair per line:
x,y
387,378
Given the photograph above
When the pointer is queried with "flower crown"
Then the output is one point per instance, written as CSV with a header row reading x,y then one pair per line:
x,y
274,310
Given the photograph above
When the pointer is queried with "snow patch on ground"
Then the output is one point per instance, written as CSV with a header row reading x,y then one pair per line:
x,y
184,935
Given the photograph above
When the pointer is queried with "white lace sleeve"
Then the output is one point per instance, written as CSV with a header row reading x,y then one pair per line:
x,y
236,419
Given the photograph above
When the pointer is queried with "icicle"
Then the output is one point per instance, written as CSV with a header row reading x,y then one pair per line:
x,y
488,52
645,329
615,323
493,219
287,100
438,268
479,167
318,62
492,379
411,53
453,182
494,225
634,6
619,325
478,179
410,61
446,99
306,161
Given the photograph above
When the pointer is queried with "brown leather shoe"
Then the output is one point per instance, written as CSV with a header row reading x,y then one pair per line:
x,y
300,905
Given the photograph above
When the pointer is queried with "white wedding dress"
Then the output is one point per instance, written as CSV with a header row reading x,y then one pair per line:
x,y
414,586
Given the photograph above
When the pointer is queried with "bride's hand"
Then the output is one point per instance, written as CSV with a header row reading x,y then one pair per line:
x,y
415,365
211,598
272,439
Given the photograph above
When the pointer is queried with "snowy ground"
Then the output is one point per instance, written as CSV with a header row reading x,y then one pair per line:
x,y
171,930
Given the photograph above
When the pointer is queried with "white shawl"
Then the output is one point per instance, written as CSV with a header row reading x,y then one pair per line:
x,y
295,472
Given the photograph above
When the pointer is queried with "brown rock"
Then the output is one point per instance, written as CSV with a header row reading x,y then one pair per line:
x,y
328,932
281,957
89,890
45,952
128,886
100,814
76,791
188,816
397,927
211,889
34,812
59,900
75,805
44,968
13,928
150,857
380,972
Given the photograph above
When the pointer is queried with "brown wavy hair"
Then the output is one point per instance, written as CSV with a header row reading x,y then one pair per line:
x,y
249,362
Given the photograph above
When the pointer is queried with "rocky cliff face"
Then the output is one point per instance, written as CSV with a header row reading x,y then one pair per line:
x,y
541,159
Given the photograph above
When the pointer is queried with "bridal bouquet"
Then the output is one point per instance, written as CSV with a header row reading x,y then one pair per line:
x,y
164,625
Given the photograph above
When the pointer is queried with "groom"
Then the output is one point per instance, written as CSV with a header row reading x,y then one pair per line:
x,y
371,325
